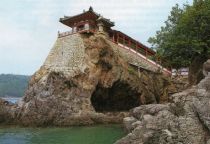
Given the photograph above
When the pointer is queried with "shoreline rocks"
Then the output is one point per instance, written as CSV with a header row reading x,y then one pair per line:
x,y
186,120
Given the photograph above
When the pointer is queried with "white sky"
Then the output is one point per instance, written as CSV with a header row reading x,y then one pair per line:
x,y
29,27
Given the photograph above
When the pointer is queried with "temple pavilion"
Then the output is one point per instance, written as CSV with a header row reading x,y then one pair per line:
x,y
91,22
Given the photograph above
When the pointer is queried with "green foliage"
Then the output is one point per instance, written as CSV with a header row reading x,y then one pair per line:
x,y
186,34
13,85
131,70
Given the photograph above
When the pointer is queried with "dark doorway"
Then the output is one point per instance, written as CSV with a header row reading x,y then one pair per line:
x,y
120,97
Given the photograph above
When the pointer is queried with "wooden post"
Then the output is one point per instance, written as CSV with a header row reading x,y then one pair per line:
x,y
113,38
146,53
129,43
136,47
123,40
117,37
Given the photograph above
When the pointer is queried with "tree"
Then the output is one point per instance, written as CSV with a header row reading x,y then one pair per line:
x,y
13,85
184,41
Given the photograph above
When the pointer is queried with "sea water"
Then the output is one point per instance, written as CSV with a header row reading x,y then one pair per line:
x,y
99,134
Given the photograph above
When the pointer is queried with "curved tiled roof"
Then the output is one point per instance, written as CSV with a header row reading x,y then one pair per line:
x,y
90,14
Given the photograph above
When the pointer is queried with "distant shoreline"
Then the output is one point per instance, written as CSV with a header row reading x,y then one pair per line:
x,y
10,97
12,86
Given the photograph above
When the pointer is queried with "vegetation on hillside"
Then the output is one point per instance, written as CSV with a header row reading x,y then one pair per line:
x,y
13,85
184,41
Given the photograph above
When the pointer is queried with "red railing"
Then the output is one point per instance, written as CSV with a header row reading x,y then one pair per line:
x,y
164,70
81,30
63,34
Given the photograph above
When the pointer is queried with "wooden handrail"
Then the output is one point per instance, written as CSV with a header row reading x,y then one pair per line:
x,y
166,71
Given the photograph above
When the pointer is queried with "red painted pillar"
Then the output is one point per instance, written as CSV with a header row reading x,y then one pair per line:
x,y
136,47
113,37
129,43
146,52
117,37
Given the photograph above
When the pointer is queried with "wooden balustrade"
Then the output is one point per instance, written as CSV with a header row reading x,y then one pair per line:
x,y
63,34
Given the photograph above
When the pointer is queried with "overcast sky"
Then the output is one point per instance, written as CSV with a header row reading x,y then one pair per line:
x,y
28,28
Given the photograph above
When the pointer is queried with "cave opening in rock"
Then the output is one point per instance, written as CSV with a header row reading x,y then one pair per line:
x,y
119,97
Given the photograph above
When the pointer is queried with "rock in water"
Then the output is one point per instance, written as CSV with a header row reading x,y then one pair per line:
x,y
86,80
7,112
186,120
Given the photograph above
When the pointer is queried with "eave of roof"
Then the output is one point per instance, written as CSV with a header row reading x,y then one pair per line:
x,y
90,12
70,17
107,21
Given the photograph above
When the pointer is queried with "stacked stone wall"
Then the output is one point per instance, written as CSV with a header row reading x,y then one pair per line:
x,y
133,58
67,55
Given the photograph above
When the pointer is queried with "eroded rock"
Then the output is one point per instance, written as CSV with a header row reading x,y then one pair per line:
x,y
206,67
87,80
186,120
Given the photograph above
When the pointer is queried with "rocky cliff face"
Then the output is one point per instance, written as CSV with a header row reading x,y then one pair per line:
x,y
183,121
85,80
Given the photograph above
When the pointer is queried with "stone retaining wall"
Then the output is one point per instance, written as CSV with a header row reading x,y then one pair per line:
x,y
137,59
68,60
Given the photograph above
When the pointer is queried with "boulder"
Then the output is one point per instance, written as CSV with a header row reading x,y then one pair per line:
x,y
206,67
186,120
7,112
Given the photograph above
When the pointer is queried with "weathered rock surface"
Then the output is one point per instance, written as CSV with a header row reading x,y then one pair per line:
x,y
180,82
87,80
8,112
186,120
206,67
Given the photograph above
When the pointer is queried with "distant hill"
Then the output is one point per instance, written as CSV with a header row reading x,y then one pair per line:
x,y
13,85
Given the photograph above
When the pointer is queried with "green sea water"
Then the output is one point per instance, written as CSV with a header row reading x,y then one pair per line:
x,y
100,134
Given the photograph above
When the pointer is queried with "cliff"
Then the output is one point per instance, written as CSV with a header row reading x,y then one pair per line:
x,y
85,80
185,120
